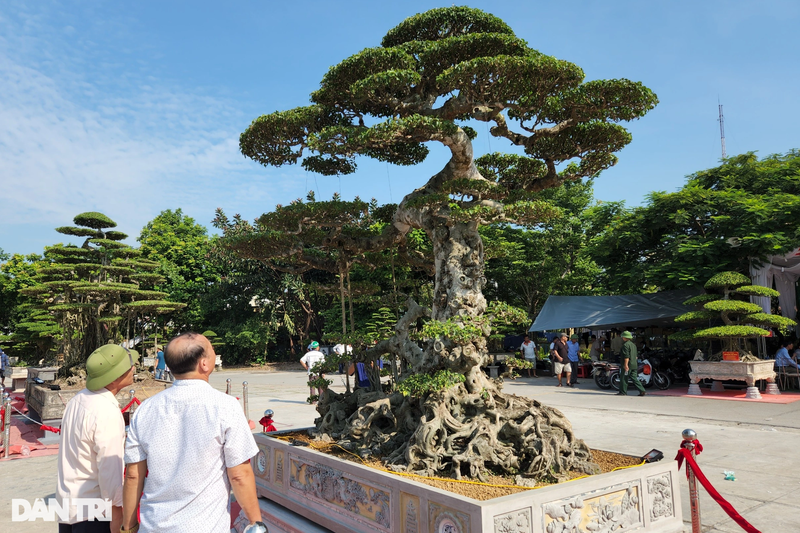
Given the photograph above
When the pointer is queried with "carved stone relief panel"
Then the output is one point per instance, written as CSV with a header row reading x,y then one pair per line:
x,y
518,521
261,462
613,509
364,502
409,513
660,490
443,519
279,467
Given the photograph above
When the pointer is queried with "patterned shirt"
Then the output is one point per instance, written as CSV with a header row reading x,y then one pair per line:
x,y
189,434
5,363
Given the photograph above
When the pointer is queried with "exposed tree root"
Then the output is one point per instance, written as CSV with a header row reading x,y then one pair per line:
x,y
457,434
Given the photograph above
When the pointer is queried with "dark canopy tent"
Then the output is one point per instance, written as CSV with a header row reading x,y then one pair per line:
x,y
635,310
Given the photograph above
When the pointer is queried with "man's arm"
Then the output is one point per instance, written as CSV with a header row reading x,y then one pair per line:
x,y
243,483
132,493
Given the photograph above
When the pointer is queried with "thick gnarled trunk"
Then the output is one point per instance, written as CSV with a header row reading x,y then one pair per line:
x,y
469,429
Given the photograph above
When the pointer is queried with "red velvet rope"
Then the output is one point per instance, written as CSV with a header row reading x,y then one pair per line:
x,y
135,400
685,454
51,429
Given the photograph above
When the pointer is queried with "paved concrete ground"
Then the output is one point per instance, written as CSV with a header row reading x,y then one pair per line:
x,y
759,441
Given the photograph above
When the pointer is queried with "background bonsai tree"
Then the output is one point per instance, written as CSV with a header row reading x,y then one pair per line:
x,y
431,74
96,291
741,319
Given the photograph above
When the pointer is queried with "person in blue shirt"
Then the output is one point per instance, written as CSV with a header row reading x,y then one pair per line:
x,y
161,365
573,349
5,369
783,359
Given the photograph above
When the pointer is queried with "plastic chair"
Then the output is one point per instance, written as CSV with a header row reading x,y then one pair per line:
x,y
786,376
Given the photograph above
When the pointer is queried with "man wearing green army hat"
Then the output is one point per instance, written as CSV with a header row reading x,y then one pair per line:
x,y
630,366
90,454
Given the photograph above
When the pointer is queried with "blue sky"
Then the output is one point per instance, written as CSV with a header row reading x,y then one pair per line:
x,y
134,108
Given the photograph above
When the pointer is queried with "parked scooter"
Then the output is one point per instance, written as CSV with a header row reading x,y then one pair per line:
x,y
647,375
602,373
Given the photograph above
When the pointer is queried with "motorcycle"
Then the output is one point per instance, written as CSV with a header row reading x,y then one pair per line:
x,y
648,376
601,370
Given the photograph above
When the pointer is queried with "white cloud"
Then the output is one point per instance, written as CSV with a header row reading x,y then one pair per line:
x,y
76,137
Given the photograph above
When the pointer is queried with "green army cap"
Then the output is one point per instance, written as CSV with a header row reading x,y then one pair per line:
x,y
627,335
107,363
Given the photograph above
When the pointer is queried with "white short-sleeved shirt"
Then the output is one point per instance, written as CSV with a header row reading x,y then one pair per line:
x,y
312,358
528,350
90,450
189,434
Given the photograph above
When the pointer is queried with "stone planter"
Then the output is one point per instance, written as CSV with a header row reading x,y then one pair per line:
x,y
47,406
719,371
325,493
19,376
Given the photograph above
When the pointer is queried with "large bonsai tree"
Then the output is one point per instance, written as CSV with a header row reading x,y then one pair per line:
x,y
95,293
433,73
740,319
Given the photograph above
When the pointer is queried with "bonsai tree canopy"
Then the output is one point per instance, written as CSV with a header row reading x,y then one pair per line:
x,y
431,74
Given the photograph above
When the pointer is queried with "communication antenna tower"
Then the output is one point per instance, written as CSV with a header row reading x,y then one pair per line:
x,y
722,132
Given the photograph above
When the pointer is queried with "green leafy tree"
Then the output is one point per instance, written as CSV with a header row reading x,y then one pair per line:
x,y
525,265
181,247
431,74
723,219
741,319
24,328
96,291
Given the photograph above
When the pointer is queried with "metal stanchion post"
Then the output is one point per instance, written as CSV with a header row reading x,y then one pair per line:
x,y
245,402
7,422
133,406
689,436
228,386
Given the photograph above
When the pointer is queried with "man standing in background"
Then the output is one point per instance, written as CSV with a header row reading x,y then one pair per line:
x,y
629,365
528,349
5,368
308,361
573,354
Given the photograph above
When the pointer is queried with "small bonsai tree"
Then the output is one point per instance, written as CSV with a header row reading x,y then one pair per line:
x,y
741,320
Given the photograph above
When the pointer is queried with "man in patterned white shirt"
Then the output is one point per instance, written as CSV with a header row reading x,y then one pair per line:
x,y
193,444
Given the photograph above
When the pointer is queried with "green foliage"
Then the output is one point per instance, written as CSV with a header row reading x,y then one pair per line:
x,y
81,297
701,299
740,318
723,219
756,290
94,220
732,306
524,266
697,316
726,279
419,385
516,362
723,332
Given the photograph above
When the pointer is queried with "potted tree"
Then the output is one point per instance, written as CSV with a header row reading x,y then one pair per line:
x,y
741,320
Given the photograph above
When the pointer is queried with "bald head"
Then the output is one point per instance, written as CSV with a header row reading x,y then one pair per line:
x,y
183,353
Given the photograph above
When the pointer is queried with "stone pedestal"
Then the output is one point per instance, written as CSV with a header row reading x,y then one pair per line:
x,y
752,393
493,371
717,386
694,390
772,388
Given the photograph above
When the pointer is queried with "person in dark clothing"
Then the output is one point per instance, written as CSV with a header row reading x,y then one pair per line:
x,y
630,365
560,357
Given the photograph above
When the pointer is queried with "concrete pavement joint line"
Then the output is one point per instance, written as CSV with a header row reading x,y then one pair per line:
x,y
711,421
